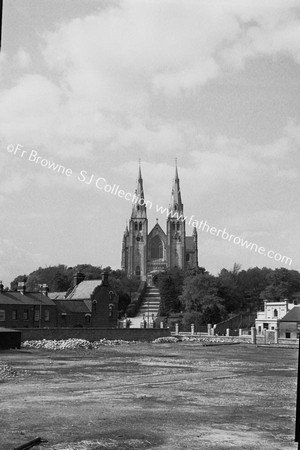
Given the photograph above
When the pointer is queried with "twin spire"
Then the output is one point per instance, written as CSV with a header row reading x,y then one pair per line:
x,y
139,207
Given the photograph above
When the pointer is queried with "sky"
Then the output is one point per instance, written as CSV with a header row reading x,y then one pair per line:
x,y
93,86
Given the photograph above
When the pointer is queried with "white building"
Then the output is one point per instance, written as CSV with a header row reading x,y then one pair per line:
x,y
273,312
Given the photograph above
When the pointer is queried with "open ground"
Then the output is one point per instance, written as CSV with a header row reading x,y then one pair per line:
x,y
140,396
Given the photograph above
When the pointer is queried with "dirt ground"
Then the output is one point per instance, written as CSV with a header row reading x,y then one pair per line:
x,y
140,396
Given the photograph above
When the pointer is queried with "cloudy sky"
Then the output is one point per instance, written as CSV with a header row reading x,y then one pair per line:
x,y
95,85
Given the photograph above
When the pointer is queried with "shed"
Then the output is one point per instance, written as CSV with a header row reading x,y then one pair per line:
x,y
9,338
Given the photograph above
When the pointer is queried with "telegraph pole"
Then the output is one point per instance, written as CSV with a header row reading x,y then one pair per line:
x,y
297,427
1,10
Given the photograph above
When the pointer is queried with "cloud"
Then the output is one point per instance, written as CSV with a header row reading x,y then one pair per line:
x,y
23,59
106,75
12,259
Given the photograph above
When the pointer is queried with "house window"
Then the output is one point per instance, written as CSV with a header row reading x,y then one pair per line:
x,y
266,326
2,315
14,314
275,313
138,271
63,318
288,335
47,315
187,257
135,225
259,329
36,315
87,318
140,226
26,315
94,306
178,226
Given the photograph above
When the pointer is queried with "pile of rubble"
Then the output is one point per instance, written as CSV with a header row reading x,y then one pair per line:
x,y
166,340
203,340
6,371
72,344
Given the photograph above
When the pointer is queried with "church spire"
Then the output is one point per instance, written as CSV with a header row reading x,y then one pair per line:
x,y
176,203
139,206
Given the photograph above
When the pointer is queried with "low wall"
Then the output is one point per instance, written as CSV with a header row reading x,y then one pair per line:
x,y
94,334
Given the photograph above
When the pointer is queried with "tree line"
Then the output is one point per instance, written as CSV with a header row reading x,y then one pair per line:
x,y
198,296
203,298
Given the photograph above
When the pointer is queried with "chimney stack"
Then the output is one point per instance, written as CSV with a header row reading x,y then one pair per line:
x,y
44,289
104,277
78,278
21,287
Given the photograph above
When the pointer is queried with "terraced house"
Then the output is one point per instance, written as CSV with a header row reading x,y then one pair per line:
x,y
88,303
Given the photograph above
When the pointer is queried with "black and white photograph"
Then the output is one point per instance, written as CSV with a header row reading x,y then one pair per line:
x,y
149,226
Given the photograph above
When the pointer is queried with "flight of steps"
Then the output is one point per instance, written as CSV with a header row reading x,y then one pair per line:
x,y
150,303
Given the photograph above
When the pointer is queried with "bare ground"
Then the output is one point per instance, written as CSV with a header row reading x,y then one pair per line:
x,y
140,396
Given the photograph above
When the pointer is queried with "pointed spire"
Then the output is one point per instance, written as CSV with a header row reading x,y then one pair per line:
x,y
176,171
139,207
176,203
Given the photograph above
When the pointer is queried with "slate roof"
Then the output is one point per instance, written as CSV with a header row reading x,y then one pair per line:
x,y
73,306
292,316
84,289
9,330
57,295
189,243
29,298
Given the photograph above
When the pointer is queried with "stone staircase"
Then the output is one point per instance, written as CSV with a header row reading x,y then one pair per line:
x,y
149,308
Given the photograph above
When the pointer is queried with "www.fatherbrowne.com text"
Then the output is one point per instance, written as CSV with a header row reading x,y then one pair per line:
x,y
114,189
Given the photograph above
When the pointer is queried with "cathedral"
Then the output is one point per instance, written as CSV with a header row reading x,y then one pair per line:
x,y
146,254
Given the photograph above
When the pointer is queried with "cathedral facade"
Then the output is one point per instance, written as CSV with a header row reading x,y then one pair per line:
x,y
144,254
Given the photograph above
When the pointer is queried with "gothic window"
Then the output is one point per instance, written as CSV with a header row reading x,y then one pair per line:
x,y
140,226
138,271
275,313
156,250
135,225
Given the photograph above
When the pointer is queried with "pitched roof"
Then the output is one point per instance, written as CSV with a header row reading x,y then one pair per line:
x,y
293,315
74,306
29,298
84,289
189,243
56,295
9,330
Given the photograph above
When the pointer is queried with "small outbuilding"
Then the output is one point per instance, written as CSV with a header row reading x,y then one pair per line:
x,y
289,325
9,338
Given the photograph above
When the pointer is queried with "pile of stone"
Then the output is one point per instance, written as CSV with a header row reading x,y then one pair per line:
x,y
166,340
6,371
72,344
203,340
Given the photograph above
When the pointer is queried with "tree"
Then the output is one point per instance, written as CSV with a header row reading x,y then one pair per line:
x,y
200,295
170,287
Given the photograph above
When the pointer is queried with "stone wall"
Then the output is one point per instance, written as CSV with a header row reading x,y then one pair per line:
x,y
94,334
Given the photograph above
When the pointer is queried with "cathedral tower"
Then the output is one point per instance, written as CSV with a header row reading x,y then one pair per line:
x,y
136,238
145,255
176,228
